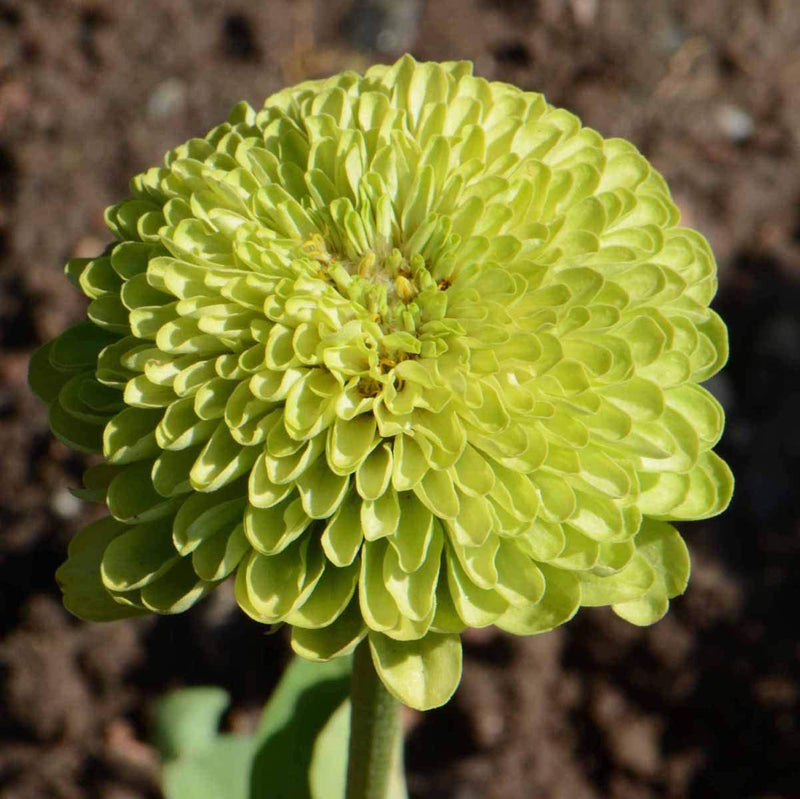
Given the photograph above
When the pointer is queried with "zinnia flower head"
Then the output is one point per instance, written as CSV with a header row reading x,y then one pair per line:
x,y
406,353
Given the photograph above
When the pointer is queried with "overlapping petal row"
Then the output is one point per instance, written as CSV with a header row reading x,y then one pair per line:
x,y
407,353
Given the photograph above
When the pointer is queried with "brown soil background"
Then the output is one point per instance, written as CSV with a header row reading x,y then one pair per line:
x,y
704,704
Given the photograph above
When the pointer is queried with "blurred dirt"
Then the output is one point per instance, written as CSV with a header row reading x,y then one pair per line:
x,y
705,703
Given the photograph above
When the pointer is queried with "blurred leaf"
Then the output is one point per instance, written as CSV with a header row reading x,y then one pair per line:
x,y
222,769
187,720
200,763
299,750
328,769
306,697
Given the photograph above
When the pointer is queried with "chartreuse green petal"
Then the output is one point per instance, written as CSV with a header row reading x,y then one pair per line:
x,y
665,552
423,673
403,353
79,578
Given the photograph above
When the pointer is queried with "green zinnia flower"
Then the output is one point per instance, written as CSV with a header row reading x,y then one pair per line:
x,y
408,352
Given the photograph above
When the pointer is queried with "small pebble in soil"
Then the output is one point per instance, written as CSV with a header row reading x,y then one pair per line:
x,y
166,99
87,247
584,12
384,26
65,504
735,123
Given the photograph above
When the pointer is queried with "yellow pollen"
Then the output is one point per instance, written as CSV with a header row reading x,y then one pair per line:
x,y
405,288
315,248
366,264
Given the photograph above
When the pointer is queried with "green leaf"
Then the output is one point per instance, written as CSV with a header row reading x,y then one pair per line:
x,y
304,700
200,764
327,773
299,749
186,721
221,769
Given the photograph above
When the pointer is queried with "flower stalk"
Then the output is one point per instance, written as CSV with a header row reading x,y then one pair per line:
x,y
374,730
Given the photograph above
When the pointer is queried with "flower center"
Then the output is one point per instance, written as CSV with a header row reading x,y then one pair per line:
x,y
383,281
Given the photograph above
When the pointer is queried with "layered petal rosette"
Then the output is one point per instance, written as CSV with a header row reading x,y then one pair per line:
x,y
404,353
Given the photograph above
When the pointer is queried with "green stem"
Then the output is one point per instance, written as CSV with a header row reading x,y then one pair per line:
x,y
374,729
